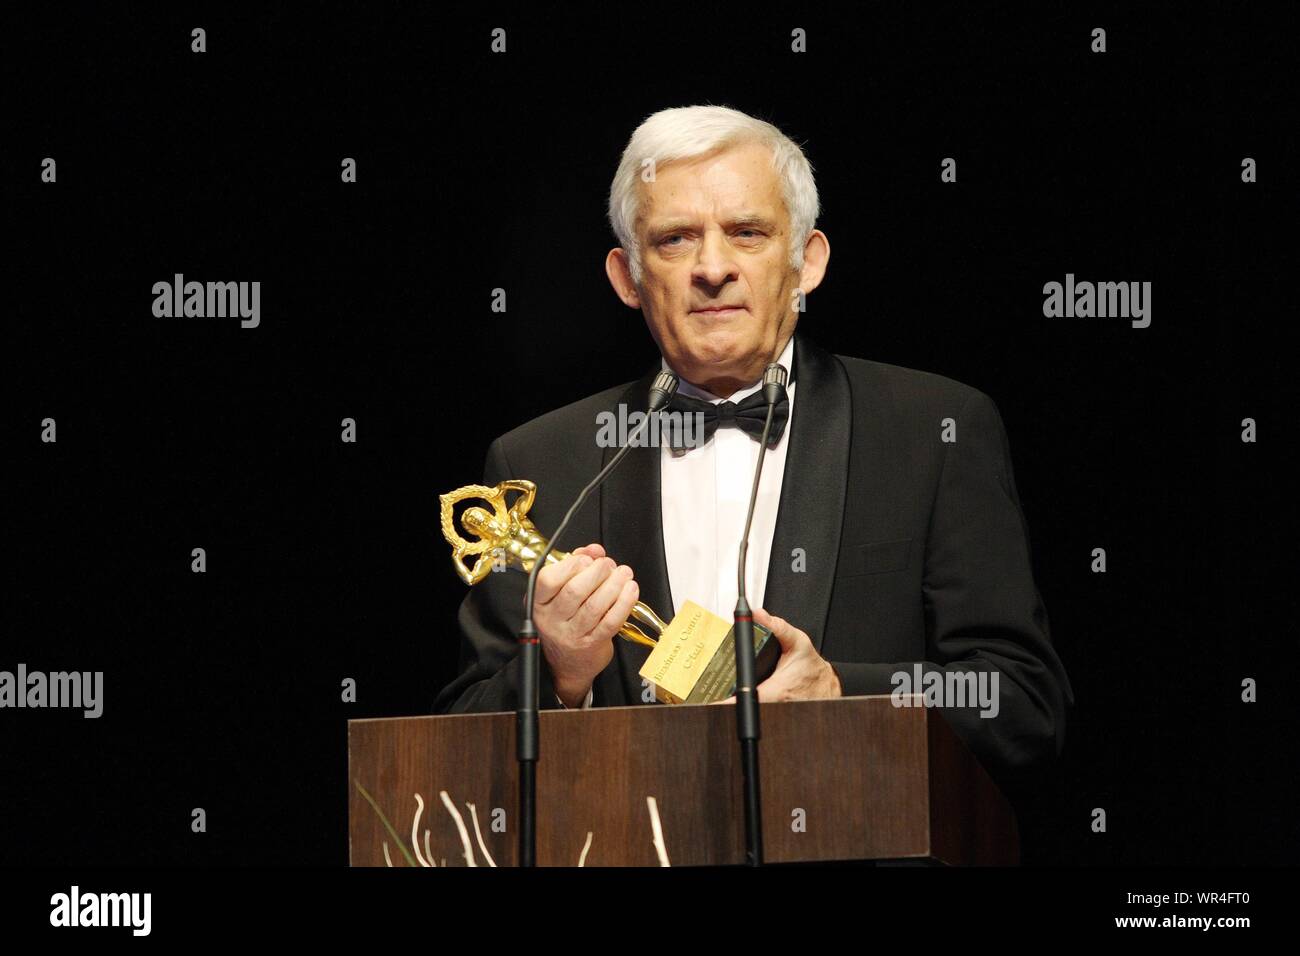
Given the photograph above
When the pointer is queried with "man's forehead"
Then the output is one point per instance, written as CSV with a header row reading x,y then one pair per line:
x,y
754,204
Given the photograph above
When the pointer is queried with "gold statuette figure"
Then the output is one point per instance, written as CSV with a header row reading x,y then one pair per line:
x,y
693,659
505,536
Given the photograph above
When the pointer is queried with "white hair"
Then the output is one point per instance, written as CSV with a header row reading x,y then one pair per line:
x,y
686,132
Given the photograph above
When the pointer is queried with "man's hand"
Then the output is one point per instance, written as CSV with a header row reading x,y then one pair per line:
x,y
801,673
578,606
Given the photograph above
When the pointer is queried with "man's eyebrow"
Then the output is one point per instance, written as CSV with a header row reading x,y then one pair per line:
x,y
668,225
743,220
753,219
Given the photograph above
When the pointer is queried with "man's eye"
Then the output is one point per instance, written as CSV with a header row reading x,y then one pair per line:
x,y
743,233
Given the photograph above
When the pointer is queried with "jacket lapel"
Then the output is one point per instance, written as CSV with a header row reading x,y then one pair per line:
x,y
813,492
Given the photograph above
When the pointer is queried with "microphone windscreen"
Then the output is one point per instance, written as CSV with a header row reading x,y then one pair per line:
x,y
774,379
775,374
662,389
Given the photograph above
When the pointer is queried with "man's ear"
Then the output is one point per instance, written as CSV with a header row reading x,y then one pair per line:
x,y
816,256
620,277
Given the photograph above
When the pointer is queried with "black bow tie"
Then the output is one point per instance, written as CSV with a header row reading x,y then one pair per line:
x,y
749,414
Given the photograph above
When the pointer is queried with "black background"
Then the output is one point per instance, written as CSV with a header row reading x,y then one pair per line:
x,y
478,171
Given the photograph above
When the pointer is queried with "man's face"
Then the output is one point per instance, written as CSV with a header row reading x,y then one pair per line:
x,y
717,290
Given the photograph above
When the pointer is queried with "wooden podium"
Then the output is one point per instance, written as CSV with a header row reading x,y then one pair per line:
x,y
853,778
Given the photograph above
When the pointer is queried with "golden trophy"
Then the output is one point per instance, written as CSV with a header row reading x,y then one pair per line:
x,y
693,658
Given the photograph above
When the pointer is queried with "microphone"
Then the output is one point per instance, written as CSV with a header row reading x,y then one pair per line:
x,y
747,730
661,391
774,379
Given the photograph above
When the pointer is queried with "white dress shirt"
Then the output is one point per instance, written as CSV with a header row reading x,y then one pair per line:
x,y
704,494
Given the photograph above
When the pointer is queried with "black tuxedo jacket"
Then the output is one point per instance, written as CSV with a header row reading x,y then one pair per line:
x,y
916,549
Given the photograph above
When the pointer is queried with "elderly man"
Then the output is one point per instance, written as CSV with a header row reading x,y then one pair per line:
x,y
887,535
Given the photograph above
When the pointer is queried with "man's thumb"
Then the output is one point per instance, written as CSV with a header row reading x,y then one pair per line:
x,y
774,624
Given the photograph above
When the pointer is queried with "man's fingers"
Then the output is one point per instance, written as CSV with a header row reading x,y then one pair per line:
x,y
555,576
552,578
581,587
593,610
577,585
618,613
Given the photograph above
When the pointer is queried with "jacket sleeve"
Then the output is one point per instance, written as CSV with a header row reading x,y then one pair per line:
x,y
983,612
489,620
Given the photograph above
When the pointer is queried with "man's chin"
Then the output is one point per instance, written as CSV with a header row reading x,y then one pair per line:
x,y
712,364
724,342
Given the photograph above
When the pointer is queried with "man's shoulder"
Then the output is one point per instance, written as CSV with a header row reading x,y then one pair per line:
x,y
907,389
567,432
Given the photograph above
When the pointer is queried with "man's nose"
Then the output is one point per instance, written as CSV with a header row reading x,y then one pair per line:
x,y
715,263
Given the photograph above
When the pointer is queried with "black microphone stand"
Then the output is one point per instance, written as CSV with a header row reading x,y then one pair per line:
x,y
747,728
526,732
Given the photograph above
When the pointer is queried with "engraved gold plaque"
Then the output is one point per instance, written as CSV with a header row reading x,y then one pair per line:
x,y
694,661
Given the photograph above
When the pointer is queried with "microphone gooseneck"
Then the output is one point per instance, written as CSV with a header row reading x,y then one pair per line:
x,y
526,741
661,392
774,379
747,729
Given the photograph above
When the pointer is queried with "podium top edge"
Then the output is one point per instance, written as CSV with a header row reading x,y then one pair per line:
x,y
638,707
